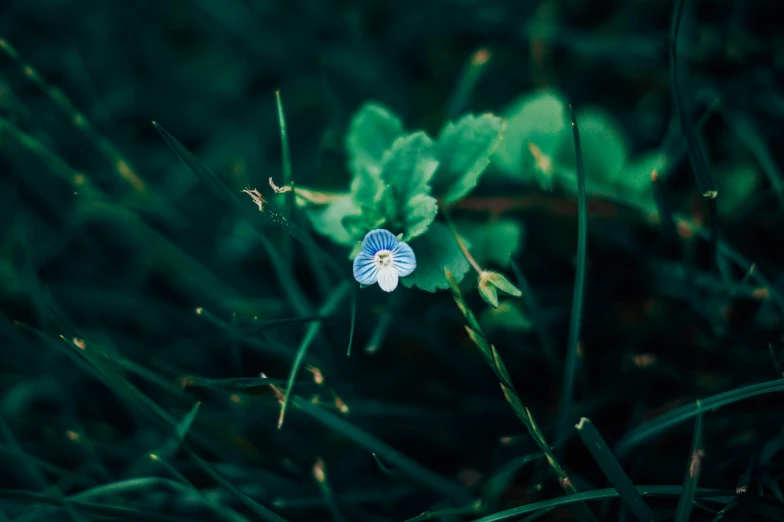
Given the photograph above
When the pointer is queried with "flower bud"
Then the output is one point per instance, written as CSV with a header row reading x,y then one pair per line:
x,y
488,292
498,281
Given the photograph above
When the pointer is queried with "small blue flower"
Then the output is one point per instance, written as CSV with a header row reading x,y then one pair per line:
x,y
383,260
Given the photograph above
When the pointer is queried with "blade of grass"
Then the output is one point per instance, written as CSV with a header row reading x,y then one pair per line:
x,y
35,471
78,120
470,509
181,267
354,299
714,495
30,464
382,326
327,308
222,511
180,431
531,518
134,485
320,474
381,496
122,486
672,145
692,475
283,272
88,356
231,383
750,135
78,180
404,464
253,341
103,510
702,173
469,77
287,179
498,483
575,321
148,375
140,402
259,326
265,513
9,453
613,471
727,250
775,360
713,238
674,417
669,229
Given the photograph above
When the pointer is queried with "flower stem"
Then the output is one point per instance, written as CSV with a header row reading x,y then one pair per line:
x,y
462,245
493,358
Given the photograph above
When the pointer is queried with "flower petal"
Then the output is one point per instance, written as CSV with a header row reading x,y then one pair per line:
x,y
387,278
404,259
379,239
365,269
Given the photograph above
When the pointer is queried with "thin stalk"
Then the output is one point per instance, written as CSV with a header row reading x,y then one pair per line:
x,y
575,321
287,177
462,245
493,358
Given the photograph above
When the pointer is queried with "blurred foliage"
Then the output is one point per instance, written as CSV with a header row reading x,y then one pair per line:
x,y
152,319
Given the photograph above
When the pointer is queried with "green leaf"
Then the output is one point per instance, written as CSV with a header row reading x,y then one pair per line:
x,y
357,225
328,219
501,283
464,151
434,251
634,186
604,152
409,166
536,118
407,169
372,131
420,212
738,185
495,242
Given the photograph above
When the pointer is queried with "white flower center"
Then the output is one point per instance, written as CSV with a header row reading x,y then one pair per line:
x,y
383,258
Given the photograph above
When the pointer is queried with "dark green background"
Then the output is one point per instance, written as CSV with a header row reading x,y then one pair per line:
x,y
126,272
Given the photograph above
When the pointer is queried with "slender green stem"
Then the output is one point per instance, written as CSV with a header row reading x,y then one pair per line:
x,y
320,474
702,174
327,308
469,77
287,177
693,468
493,358
575,321
462,244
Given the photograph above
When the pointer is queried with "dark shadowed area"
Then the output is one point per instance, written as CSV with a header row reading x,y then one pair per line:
x,y
606,341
